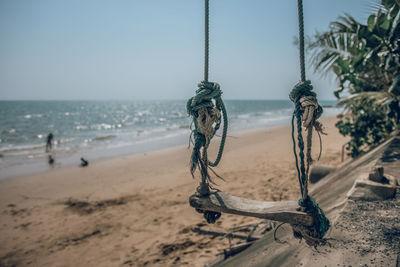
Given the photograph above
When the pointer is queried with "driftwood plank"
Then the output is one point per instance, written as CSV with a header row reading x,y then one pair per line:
x,y
281,211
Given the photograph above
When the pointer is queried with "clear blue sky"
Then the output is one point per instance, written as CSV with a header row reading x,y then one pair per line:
x,y
153,49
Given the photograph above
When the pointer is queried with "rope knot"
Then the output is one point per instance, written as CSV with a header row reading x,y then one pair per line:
x,y
212,86
304,202
301,89
204,94
208,112
306,103
321,222
208,122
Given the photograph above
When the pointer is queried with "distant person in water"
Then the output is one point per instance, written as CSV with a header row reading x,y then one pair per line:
x,y
49,142
51,160
84,162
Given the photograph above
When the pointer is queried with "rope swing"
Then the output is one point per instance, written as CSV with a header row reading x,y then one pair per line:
x,y
207,108
307,110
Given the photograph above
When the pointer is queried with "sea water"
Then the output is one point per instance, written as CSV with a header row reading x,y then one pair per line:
x,y
101,129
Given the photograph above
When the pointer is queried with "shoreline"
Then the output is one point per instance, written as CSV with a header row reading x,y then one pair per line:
x,y
134,209
121,128
40,166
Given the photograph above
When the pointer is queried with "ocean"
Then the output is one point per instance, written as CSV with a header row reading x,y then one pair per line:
x,y
104,129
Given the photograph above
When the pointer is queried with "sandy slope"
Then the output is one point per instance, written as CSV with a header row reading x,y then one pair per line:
x,y
133,211
362,233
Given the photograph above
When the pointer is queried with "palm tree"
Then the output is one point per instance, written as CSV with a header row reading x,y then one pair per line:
x,y
366,61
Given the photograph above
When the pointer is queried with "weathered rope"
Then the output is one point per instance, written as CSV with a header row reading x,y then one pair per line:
x,y
206,109
301,40
306,112
314,234
206,38
302,95
206,119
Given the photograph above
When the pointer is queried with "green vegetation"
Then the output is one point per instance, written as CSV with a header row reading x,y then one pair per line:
x,y
365,61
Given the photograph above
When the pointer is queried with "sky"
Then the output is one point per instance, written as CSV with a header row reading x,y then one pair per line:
x,y
154,49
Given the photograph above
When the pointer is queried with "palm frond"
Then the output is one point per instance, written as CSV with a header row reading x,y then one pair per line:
x,y
379,98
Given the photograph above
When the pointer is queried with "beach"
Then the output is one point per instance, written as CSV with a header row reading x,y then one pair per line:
x,y
133,210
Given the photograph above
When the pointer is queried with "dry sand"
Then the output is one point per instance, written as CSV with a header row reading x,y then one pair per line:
x,y
134,211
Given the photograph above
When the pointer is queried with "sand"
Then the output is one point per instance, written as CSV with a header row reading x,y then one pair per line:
x,y
362,233
134,211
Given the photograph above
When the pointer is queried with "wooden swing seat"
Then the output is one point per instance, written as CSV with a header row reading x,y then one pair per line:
x,y
281,211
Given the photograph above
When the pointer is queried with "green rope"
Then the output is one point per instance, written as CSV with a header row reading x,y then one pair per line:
x,y
207,92
299,91
206,38
301,40
208,97
204,97
295,157
321,222
303,89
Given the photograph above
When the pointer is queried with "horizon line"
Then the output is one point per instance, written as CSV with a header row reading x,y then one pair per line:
x,y
165,99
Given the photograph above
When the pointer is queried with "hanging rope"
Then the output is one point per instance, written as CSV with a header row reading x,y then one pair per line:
x,y
301,39
307,111
206,109
206,38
